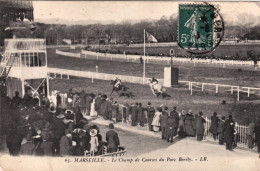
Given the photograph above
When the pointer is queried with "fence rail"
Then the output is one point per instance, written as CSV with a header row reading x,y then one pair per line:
x,y
168,59
192,86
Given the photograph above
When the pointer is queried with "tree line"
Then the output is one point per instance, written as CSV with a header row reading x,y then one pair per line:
x,y
165,30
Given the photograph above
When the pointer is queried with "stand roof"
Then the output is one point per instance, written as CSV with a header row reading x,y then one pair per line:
x,y
25,45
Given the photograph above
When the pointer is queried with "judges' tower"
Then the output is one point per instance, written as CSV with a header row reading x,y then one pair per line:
x,y
25,67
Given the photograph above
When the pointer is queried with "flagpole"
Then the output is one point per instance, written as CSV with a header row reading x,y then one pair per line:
x,y
144,61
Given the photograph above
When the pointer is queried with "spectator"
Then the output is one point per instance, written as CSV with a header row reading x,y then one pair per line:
x,y
140,115
163,123
58,100
200,126
175,115
134,114
220,130
150,112
112,139
94,143
229,135
250,135
16,100
156,120
257,135
188,124
214,125
66,144
181,132
171,124
47,137
28,147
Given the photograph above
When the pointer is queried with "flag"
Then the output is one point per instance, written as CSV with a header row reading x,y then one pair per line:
x,y
150,37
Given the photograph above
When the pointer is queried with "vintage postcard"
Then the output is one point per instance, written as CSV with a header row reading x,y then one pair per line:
x,y
129,85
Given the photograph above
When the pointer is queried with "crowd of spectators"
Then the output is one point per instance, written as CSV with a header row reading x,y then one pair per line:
x,y
44,130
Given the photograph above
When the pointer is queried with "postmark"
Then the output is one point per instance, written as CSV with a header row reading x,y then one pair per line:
x,y
200,29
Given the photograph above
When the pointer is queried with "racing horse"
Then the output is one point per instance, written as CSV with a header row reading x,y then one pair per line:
x,y
156,88
119,87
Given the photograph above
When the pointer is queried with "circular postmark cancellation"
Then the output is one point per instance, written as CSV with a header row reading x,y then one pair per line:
x,y
201,28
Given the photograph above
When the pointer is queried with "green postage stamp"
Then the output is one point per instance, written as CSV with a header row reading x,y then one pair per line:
x,y
196,30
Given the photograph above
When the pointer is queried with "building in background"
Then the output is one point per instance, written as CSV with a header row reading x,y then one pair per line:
x,y
14,13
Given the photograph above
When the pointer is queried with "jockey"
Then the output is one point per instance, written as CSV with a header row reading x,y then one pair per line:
x,y
117,82
154,81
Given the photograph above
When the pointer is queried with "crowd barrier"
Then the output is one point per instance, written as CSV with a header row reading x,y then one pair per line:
x,y
76,55
86,54
123,116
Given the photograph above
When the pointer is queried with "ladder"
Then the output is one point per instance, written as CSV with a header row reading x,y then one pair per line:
x,y
7,67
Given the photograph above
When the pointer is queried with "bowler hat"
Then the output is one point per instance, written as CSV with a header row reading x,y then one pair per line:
x,y
111,126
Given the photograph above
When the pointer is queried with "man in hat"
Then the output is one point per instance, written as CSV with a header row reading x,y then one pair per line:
x,y
58,131
58,99
199,125
220,130
66,144
175,116
150,112
140,112
134,117
112,139
229,135
163,122
257,135
104,107
16,100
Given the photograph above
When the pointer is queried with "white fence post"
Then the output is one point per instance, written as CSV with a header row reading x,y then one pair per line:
x,y
191,88
202,87
248,92
216,88
232,90
238,93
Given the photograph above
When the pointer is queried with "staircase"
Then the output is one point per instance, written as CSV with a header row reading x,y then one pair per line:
x,y
5,69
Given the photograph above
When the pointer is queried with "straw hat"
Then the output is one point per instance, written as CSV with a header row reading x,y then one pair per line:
x,y
93,132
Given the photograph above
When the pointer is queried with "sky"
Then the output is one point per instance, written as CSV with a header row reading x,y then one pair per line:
x,y
117,11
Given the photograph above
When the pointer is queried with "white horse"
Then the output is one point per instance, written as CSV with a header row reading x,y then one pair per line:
x,y
156,87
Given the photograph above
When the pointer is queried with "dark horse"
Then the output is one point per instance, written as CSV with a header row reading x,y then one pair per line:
x,y
121,89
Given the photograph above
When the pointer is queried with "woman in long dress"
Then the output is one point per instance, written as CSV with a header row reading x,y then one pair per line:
x,y
93,112
156,120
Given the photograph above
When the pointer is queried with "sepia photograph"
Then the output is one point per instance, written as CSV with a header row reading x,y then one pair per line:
x,y
129,85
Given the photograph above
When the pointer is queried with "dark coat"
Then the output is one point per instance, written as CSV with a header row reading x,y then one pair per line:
x,y
150,113
104,108
112,139
171,131
27,148
176,118
47,147
163,120
58,128
65,146
229,133
189,125
214,124
134,113
257,133
97,103
199,125
140,114
221,126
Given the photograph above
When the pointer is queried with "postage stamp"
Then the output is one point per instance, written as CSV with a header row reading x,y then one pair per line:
x,y
196,31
